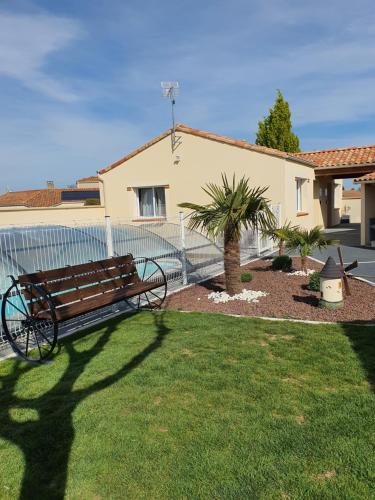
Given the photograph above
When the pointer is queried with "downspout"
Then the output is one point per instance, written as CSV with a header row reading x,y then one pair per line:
x,y
101,180
108,226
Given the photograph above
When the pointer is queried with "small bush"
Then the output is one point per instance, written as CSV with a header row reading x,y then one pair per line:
x,y
92,201
282,263
314,282
246,277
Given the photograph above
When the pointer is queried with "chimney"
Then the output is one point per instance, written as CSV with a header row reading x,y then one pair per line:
x,y
50,185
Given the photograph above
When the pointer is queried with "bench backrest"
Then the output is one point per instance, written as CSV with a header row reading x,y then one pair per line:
x,y
71,284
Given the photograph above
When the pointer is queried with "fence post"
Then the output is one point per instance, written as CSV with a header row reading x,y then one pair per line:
x,y
108,234
183,249
258,243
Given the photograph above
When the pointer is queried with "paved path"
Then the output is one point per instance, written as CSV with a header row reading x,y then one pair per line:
x,y
349,236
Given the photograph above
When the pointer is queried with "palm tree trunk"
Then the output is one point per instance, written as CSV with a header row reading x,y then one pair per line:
x,y
281,248
303,263
231,263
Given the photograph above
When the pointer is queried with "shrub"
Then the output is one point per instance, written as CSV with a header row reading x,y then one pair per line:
x,y
92,201
282,263
306,241
246,277
314,282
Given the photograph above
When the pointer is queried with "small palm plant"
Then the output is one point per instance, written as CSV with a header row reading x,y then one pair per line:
x,y
233,207
305,241
281,235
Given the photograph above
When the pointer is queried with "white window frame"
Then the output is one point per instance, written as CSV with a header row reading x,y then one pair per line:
x,y
299,184
137,192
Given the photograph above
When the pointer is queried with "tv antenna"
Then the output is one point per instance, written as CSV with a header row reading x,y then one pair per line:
x,y
171,90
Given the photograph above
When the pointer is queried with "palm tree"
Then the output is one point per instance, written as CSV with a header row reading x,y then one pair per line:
x,y
233,207
281,235
306,241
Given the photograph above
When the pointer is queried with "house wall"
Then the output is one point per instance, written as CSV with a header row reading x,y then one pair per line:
x,y
202,161
292,171
352,207
88,185
327,201
367,209
51,215
320,202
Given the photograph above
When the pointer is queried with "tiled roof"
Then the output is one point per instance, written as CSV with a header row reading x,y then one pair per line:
x,y
36,198
92,178
361,155
351,193
213,137
366,178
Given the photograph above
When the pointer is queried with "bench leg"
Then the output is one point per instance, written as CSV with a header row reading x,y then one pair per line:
x,y
29,321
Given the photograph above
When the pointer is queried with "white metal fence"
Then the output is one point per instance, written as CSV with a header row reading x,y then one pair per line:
x,y
184,255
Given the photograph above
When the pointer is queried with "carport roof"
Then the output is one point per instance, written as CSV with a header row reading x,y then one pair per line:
x,y
366,178
340,157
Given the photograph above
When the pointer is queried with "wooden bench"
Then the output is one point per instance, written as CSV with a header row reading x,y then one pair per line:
x,y
36,303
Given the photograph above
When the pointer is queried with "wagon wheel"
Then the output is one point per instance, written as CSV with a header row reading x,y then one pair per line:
x,y
149,272
29,321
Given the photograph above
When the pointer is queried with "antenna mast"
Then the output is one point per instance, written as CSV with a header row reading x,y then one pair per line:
x,y
171,90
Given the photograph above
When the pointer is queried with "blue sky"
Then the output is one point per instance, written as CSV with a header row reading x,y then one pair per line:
x,y
80,80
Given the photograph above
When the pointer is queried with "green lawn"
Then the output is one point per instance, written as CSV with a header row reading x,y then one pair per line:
x,y
174,405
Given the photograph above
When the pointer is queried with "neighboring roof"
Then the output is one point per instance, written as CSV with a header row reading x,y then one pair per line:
x,y
359,155
92,178
36,198
351,193
213,137
366,178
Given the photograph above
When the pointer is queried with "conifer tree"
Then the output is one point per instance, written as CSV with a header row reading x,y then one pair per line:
x,y
275,131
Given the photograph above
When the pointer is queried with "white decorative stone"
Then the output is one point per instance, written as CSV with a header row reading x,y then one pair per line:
x,y
245,295
301,273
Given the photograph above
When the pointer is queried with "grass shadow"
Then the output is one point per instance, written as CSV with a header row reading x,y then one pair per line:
x,y
46,442
362,340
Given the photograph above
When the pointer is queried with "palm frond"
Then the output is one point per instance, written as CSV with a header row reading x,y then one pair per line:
x,y
305,240
234,206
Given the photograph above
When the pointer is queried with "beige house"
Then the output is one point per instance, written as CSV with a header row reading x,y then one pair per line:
x,y
149,183
51,205
333,165
367,182
91,182
351,206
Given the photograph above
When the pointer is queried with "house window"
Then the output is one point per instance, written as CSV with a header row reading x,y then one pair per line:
x,y
299,183
151,202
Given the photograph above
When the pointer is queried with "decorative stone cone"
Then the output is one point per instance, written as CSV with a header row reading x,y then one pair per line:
x,y
331,285
331,270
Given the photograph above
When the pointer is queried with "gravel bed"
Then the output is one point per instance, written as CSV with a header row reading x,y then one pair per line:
x,y
287,297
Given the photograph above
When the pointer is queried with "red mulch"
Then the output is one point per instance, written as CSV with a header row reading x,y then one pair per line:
x,y
288,297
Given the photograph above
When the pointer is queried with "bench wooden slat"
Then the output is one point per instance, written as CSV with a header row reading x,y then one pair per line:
x,y
69,271
90,278
85,292
84,288
91,304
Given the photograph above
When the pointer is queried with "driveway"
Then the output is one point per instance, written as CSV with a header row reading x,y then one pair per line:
x,y
349,236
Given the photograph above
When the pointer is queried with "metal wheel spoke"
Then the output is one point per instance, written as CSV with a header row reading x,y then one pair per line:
x,y
155,295
27,343
45,338
148,277
37,341
23,304
31,337
18,309
145,294
144,270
